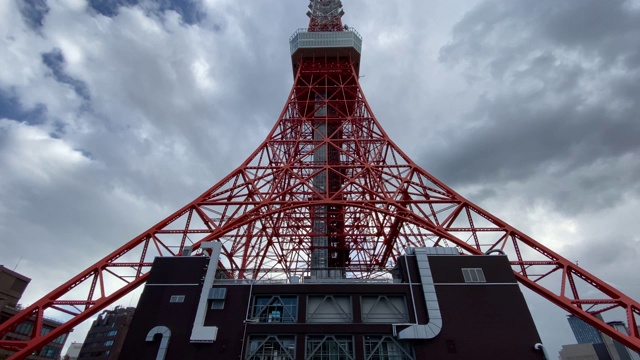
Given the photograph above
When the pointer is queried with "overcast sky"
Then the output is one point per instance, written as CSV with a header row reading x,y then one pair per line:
x,y
115,113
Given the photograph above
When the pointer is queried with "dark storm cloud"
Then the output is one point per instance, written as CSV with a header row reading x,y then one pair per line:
x,y
517,137
559,85
599,28
603,29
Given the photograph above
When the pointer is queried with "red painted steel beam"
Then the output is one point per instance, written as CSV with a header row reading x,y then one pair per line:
x,y
384,201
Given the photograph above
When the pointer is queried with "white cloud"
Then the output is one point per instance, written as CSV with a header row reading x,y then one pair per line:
x,y
30,155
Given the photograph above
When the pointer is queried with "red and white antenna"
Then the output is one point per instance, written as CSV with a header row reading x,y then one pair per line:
x,y
325,15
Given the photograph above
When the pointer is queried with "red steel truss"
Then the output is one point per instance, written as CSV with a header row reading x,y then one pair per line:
x,y
325,15
326,151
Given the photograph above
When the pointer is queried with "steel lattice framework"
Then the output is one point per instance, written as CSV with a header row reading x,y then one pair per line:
x,y
325,15
327,160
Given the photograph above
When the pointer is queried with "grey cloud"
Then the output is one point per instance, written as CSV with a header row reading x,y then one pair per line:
x,y
33,12
613,253
154,139
54,60
515,139
603,29
110,7
11,108
556,100
171,131
190,11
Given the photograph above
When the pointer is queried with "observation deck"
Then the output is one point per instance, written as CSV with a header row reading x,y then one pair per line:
x,y
319,44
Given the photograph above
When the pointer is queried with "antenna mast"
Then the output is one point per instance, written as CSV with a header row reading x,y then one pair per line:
x,y
325,15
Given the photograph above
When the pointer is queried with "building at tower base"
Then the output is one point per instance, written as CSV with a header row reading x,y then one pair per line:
x,y
12,287
596,343
106,335
437,304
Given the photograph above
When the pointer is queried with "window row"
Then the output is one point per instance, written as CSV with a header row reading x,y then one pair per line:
x,y
50,352
99,344
177,299
103,334
26,328
94,354
217,296
473,275
329,309
326,347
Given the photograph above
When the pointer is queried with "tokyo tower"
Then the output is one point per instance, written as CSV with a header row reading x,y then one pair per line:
x,y
326,195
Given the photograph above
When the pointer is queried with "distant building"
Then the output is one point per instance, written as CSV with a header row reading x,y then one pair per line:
x,y
617,350
584,333
12,286
437,305
106,336
584,351
587,334
73,351
603,345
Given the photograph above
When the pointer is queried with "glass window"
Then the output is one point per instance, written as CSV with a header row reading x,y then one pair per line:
x,y
217,304
24,329
49,352
275,309
108,343
280,347
329,309
329,347
386,348
112,333
384,309
176,298
473,275
60,339
218,293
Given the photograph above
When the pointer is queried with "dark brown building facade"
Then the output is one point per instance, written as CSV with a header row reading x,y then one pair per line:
x,y
12,286
438,305
106,335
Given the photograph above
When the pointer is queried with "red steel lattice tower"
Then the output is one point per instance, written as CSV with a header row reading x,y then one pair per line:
x,y
327,194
